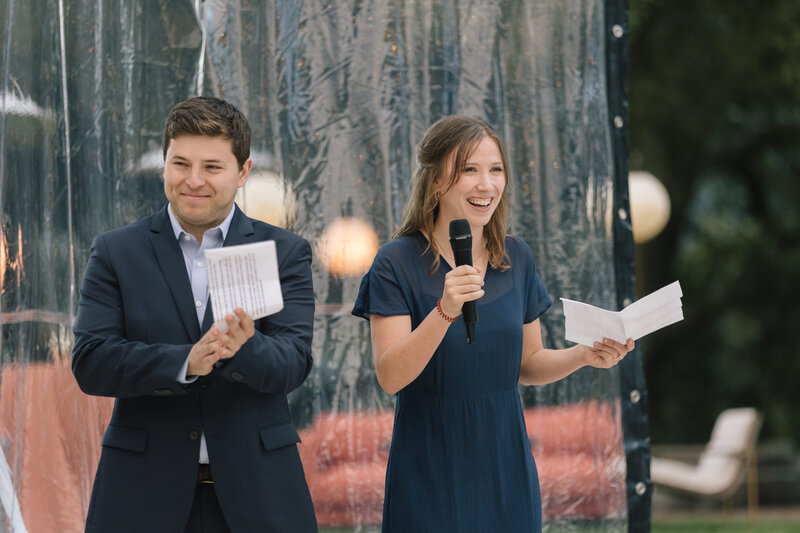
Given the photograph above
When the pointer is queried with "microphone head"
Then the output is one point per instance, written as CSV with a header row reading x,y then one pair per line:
x,y
460,235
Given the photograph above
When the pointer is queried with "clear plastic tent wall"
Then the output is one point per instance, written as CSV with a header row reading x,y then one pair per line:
x,y
338,93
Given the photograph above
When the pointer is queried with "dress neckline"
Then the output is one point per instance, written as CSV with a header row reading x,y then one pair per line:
x,y
425,251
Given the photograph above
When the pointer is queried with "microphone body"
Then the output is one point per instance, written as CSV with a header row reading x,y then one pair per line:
x,y
461,243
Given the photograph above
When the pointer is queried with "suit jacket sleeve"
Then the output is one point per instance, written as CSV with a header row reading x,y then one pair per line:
x,y
114,356
104,361
277,359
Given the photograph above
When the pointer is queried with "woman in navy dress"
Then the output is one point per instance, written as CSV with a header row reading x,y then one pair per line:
x,y
460,459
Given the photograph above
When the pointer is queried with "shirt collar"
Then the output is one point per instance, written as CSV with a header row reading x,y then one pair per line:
x,y
224,226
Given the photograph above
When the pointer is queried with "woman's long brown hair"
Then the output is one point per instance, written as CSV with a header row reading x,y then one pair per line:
x,y
458,135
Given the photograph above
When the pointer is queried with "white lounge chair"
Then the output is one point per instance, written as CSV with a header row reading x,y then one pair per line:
x,y
726,461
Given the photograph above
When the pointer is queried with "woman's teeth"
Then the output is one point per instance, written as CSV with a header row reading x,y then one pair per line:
x,y
481,203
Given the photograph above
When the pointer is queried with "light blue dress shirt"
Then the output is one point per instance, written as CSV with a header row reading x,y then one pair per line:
x,y
195,259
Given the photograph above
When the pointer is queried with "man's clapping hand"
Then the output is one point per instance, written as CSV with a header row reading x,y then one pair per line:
x,y
216,345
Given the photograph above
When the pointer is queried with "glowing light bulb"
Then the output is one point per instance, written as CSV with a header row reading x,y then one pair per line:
x,y
348,246
268,197
650,206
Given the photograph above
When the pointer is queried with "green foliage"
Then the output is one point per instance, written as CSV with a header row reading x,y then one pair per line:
x,y
715,114
726,527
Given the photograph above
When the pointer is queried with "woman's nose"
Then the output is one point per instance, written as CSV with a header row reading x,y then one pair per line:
x,y
485,180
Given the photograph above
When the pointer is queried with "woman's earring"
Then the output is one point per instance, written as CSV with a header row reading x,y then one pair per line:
x,y
436,194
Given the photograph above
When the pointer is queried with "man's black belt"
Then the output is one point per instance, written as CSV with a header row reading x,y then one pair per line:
x,y
204,474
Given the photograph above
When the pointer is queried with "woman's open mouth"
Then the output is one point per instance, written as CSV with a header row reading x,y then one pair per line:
x,y
481,203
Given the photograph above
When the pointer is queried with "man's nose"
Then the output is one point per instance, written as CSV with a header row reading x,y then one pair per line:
x,y
195,178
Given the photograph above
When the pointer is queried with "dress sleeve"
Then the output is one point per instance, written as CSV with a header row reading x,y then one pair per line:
x,y
383,292
538,301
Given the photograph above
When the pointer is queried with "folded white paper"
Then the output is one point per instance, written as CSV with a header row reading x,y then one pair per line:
x,y
587,324
244,276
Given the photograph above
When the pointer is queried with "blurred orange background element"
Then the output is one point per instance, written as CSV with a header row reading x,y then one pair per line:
x,y
59,430
578,450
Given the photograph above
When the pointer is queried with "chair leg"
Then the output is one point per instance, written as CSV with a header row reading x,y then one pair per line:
x,y
727,507
752,483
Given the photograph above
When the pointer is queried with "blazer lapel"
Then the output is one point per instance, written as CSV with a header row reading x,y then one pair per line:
x,y
173,268
240,232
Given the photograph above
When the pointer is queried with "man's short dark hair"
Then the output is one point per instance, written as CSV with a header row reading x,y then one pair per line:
x,y
210,117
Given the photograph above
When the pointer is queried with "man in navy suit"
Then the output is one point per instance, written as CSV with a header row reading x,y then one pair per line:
x,y
201,438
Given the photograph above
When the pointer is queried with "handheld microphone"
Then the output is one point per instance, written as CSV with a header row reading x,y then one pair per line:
x,y
461,242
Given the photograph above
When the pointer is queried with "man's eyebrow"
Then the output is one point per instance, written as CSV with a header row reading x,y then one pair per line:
x,y
178,156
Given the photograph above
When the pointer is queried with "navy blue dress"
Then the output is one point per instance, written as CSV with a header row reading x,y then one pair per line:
x,y
460,459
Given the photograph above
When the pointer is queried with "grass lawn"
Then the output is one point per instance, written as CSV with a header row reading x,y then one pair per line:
x,y
768,521
721,526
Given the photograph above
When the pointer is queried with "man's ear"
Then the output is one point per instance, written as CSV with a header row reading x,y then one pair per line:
x,y
244,173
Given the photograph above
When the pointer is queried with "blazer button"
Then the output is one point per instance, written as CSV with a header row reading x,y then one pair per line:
x,y
203,383
236,376
219,364
194,435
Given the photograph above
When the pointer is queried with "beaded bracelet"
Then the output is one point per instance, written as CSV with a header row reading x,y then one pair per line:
x,y
441,313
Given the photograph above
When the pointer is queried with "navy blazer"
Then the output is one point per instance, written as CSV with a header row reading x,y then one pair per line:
x,y
135,326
